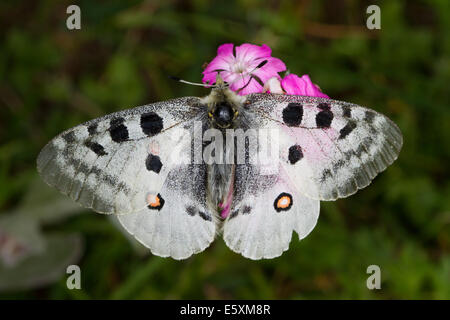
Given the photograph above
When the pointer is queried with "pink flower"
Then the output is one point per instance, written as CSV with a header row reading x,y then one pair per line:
x,y
293,84
246,67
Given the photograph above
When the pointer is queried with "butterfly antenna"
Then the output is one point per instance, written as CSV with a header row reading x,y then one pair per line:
x,y
192,83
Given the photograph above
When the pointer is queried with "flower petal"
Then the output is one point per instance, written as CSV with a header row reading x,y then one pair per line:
x,y
293,84
229,76
218,63
270,69
237,68
225,49
247,85
222,61
247,52
209,77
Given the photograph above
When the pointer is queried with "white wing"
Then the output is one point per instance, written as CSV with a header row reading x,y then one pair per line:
x,y
329,149
265,213
179,223
326,149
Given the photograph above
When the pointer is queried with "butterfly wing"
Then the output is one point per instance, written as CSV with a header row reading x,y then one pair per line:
x,y
177,222
266,210
112,163
324,149
329,149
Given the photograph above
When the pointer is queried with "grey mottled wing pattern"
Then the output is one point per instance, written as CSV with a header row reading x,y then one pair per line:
x,y
328,148
110,164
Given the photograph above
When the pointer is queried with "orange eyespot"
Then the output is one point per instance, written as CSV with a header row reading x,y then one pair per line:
x,y
155,201
283,202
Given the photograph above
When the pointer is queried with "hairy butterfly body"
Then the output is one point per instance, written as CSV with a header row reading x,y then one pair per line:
x,y
175,192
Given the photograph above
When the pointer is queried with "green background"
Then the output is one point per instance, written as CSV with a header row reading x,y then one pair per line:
x,y
52,79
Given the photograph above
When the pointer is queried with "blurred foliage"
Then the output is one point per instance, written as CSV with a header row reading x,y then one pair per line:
x,y
29,257
52,79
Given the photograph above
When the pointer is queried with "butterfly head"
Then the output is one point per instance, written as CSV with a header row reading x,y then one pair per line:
x,y
223,114
223,105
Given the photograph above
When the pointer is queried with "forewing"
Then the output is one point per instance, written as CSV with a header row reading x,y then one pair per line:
x,y
328,148
110,164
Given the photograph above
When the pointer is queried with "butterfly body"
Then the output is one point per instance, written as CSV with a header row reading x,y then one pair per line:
x,y
223,107
162,170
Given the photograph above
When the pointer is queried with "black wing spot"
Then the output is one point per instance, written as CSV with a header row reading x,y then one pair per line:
x,y
324,118
118,131
293,114
151,123
92,129
69,137
204,216
246,210
96,147
116,122
153,163
345,131
346,111
295,154
283,202
369,116
191,211
324,106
